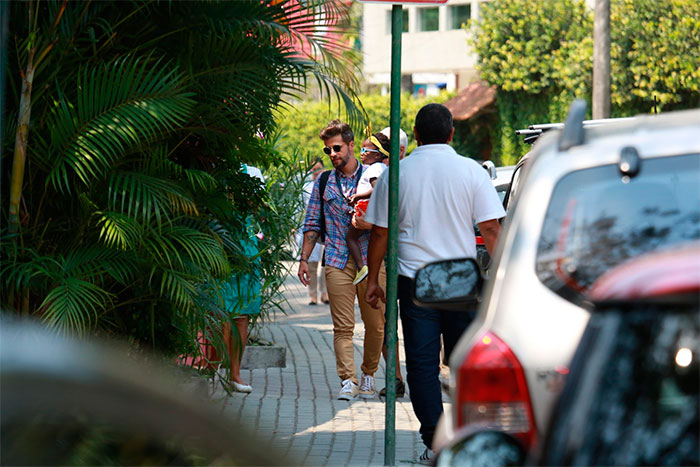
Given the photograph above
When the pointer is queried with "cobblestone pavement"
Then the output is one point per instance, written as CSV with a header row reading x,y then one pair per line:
x,y
296,407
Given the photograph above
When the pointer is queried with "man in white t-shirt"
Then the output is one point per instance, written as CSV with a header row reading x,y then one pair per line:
x,y
441,196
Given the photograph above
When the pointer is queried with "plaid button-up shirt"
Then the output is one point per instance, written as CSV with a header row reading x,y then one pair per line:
x,y
338,217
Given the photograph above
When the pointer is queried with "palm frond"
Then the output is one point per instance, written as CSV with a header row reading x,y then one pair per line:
x,y
178,246
176,286
158,163
119,230
119,106
144,196
95,263
26,269
73,305
346,97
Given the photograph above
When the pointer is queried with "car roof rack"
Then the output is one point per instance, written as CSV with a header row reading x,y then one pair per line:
x,y
532,132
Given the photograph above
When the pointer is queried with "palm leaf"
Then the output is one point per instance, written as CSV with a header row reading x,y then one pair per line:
x,y
73,305
158,164
25,269
143,196
178,246
176,286
95,263
119,230
119,106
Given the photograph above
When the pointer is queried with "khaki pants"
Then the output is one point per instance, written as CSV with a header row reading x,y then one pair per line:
x,y
341,294
316,283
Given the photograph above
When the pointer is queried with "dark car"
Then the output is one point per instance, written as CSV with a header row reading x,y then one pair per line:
x,y
632,394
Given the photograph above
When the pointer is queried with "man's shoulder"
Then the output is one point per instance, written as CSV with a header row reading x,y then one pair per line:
x,y
436,154
325,177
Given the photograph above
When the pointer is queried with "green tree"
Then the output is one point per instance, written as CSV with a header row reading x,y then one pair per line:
x,y
539,54
655,55
134,121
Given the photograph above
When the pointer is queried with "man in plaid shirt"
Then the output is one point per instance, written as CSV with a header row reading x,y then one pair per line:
x,y
339,144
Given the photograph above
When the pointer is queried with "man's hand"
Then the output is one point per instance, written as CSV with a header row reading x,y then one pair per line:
x,y
307,246
374,293
303,272
375,255
359,222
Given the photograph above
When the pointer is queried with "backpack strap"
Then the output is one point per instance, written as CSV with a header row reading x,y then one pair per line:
x,y
321,190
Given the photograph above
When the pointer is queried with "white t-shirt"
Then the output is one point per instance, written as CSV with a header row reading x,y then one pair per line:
x,y
441,196
369,173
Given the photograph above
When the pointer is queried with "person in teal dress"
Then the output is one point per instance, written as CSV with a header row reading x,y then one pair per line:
x,y
242,299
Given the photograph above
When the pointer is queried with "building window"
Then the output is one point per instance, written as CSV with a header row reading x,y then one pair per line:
x,y
459,15
429,19
404,21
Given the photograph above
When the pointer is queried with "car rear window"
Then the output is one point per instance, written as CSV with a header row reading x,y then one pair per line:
x,y
598,219
632,395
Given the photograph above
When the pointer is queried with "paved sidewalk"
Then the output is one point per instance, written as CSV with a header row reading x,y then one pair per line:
x,y
296,407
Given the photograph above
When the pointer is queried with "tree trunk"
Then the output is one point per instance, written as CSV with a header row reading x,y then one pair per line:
x,y
20,155
601,60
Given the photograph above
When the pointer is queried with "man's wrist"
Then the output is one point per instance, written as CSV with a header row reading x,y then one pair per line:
x,y
303,260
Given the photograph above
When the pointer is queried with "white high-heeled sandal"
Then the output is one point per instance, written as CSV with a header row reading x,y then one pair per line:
x,y
242,387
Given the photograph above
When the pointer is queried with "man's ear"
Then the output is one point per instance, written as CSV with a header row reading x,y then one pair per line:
x,y
415,135
452,133
351,147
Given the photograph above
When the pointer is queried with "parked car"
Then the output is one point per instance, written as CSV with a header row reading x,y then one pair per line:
x,y
501,178
589,198
632,397
633,393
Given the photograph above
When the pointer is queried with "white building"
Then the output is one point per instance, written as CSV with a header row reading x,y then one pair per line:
x,y
435,54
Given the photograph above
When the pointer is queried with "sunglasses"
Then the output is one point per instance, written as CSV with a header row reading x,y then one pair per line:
x,y
335,148
364,151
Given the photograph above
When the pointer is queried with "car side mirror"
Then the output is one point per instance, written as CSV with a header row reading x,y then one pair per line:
x,y
490,168
452,284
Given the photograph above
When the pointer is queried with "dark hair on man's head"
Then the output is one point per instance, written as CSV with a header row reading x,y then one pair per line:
x,y
335,128
434,124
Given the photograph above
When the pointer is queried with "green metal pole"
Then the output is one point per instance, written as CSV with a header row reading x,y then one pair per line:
x,y
392,253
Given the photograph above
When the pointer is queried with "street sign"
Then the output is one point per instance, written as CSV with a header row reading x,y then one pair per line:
x,y
407,2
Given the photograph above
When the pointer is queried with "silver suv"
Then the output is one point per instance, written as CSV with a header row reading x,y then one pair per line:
x,y
590,198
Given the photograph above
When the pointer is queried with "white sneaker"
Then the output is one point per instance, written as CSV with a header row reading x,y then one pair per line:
x,y
427,458
367,386
349,391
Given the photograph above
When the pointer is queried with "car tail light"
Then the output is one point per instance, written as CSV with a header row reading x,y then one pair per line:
x,y
492,391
